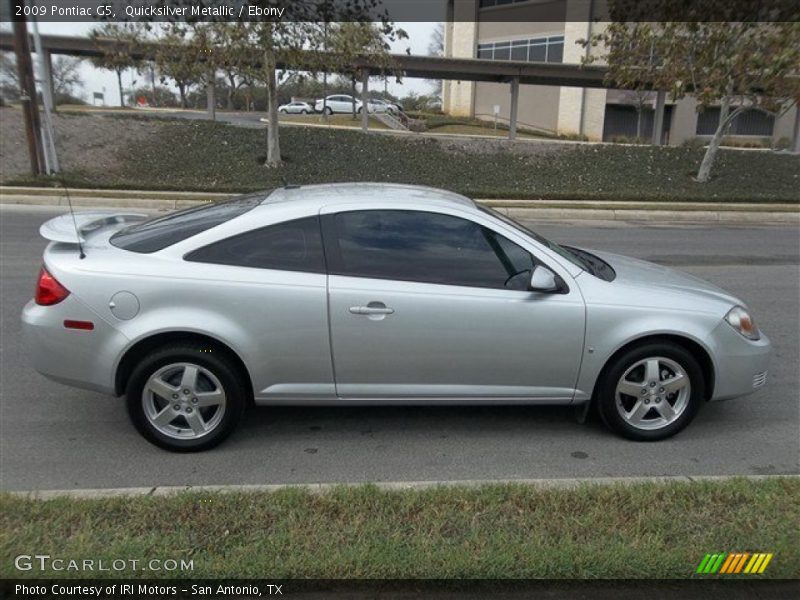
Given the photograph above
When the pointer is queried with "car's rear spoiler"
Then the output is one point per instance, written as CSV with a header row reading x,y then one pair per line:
x,y
64,229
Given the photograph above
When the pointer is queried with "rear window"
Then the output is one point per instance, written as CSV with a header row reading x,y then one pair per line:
x,y
290,246
156,234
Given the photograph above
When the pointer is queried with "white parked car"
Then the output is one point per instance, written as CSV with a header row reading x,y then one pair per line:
x,y
339,103
301,108
379,105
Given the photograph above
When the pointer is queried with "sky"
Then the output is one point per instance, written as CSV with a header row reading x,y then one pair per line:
x,y
100,80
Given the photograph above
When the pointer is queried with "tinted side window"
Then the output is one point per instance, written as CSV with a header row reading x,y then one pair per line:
x,y
291,246
428,247
158,233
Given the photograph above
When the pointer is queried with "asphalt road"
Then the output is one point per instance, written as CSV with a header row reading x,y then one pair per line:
x,y
55,437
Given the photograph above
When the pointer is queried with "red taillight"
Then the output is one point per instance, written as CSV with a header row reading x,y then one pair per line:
x,y
48,290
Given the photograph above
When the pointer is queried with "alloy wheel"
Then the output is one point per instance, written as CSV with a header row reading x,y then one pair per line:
x,y
184,401
653,393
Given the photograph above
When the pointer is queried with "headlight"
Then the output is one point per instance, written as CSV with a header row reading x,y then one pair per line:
x,y
741,321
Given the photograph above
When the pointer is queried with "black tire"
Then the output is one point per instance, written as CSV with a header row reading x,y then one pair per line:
x,y
607,398
360,109
303,111
328,110
283,111
218,364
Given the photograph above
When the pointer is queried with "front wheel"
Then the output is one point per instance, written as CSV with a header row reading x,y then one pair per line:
x,y
328,110
185,397
304,112
651,392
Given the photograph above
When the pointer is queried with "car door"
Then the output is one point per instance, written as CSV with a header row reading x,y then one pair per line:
x,y
429,305
271,282
337,104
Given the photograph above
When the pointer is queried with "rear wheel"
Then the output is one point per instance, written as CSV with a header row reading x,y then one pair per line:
x,y
185,398
651,392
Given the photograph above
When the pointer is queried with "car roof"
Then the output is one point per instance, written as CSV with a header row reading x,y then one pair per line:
x,y
366,193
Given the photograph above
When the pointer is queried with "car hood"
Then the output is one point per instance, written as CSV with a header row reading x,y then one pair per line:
x,y
640,273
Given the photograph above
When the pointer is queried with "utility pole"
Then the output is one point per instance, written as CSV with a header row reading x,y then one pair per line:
x,y
48,132
30,107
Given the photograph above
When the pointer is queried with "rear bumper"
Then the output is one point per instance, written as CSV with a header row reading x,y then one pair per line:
x,y
79,358
742,365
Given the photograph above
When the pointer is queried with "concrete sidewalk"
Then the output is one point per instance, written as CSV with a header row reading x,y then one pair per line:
x,y
606,210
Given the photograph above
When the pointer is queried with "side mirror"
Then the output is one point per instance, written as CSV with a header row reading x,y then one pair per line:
x,y
544,280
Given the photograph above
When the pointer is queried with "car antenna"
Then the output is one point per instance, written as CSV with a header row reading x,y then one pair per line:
x,y
81,253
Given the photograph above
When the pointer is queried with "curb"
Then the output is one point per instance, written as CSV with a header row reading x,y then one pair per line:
x,y
320,488
606,210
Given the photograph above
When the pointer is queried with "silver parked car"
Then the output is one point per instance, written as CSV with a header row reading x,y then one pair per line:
x,y
338,103
354,294
296,108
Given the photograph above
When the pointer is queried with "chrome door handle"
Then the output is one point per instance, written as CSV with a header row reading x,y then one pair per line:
x,y
371,310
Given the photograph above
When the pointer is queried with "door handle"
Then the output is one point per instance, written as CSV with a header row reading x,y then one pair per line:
x,y
373,308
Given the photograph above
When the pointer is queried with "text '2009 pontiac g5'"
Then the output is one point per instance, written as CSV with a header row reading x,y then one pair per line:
x,y
351,294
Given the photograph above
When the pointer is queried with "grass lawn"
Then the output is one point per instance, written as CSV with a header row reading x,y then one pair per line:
x,y
660,530
177,154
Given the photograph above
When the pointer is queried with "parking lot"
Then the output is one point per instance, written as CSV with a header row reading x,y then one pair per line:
x,y
55,437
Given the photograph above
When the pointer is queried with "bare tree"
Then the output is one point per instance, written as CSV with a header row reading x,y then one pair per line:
x,y
736,66
66,77
9,77
120,40
297,40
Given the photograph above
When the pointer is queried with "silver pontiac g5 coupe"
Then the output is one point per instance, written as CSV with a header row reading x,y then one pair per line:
x,y
354,294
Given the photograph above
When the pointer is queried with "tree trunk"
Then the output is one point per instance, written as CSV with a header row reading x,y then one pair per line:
x,y
273,139
182,91
324,96
119,85
638,124
211,97
153,84
353,94
725,118
231,92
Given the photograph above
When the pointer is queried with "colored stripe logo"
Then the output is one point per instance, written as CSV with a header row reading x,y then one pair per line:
x,y
734,563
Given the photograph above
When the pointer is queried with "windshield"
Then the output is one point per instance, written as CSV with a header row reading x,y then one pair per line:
x,y
560,250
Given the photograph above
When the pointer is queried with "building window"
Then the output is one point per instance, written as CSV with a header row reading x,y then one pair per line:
x,y
750,122
544,49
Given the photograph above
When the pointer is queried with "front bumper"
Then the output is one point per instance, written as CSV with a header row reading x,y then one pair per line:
x,y
79,358
741,365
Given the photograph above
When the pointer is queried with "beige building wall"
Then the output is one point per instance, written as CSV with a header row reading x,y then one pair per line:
x,y
581,111
784,126
684,121
538,104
